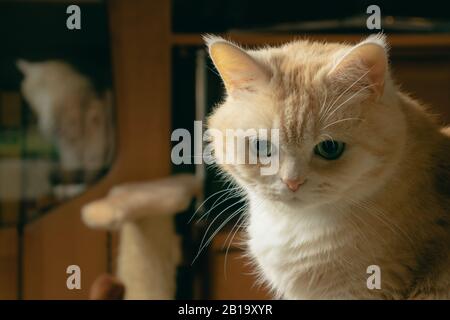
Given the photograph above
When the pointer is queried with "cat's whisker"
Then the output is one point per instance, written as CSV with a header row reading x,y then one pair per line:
x,y
341,120
228,195
359,230
382,217
346,90
343,103
231,231
204,243
392,226
204,202
323,106
237,225
240,226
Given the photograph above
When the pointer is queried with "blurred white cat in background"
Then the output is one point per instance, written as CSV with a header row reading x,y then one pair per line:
x,y
71,114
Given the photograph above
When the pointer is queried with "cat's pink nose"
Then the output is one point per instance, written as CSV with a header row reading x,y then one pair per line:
x,y
293,184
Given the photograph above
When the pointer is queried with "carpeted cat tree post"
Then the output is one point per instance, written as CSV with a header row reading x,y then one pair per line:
x,y
149,248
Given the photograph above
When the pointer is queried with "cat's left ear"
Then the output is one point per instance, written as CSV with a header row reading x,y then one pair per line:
x,y
238,70
366,63
23,65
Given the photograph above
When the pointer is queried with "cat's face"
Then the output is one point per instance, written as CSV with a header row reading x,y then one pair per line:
x,y
339,135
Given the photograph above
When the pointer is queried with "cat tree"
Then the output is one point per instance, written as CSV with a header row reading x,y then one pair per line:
x,y
149,248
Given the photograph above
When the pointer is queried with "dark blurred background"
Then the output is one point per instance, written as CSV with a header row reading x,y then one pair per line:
x,y
223,15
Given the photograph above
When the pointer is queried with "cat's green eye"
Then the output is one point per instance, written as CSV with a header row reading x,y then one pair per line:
x,y
329,149
262,148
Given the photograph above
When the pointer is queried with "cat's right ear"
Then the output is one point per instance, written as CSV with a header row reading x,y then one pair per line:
x,y
23,65
365,62
238,70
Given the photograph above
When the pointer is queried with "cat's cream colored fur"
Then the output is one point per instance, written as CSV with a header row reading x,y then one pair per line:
x,y
385,202
70,113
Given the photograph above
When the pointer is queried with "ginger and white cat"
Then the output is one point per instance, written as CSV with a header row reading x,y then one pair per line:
x,y
70,113
364,176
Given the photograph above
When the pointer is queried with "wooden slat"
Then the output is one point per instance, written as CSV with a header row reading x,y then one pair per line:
x,y
247,38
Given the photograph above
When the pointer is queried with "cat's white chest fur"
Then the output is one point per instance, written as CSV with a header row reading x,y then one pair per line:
x,y
299,251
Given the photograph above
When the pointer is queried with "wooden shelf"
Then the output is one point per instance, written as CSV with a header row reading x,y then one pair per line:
x,y
397,40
